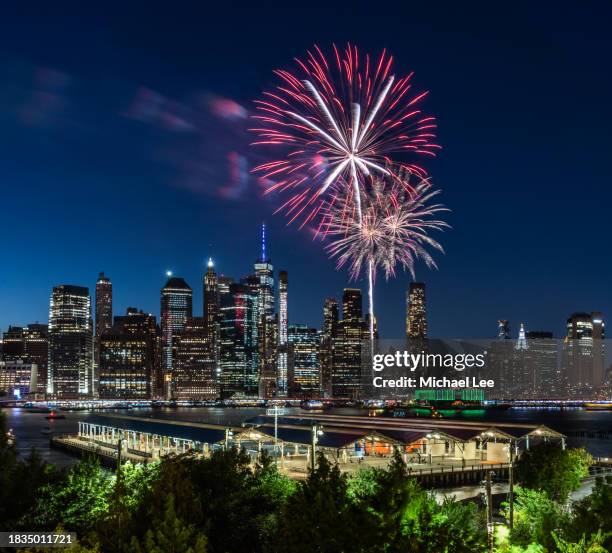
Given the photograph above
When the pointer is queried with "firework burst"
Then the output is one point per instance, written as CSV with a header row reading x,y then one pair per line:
x,y
339,120
393,230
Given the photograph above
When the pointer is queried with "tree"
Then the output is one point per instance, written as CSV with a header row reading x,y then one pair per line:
x,y
170,534
536,517
319,517
593,544
592,514
20,481
550,468
78,500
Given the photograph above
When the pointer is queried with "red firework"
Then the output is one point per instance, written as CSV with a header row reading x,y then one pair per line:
x,y
339,121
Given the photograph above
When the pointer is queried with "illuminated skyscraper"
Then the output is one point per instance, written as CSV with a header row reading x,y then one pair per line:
x,y
70,369
265,275
584,352
193,371
268,356
330,324
347,366
31,345
129,357
416,316
352,304
304,368
176,307
104,304
282,382
104,318
36,347
237,347
211,311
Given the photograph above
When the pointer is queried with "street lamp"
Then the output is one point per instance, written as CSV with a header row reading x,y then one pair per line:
x,y
275,411
228,435
316,432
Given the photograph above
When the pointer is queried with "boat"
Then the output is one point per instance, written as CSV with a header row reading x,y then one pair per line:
x,y
598,406
313,404
54,415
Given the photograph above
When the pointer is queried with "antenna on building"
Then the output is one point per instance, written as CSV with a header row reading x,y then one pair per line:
x,y
263,242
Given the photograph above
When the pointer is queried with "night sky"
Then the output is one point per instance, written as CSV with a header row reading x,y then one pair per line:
x,y
124,149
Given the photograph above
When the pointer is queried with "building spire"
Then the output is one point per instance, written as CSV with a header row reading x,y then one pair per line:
x,y
522,341
210,263
263,241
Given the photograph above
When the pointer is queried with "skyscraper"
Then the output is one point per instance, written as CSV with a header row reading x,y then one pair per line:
x,y
584,352
282,377
542,358
352,304
29,344
237,347
264,272
13,345
416,315
104,304
330,324
70,369
268,356
36,348
193,371
129,357
503,329
304,369
211,311
347,366
176,307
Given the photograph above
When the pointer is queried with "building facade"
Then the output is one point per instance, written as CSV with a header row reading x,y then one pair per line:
x,y
193,371
176,308
237,342
129,357
70,365
304,368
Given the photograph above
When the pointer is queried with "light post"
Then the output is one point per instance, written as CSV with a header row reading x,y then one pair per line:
x,y
511,485
316,432
489,497
275,411
228,435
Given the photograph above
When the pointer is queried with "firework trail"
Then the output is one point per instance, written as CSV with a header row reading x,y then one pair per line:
x,y
339,120
393,230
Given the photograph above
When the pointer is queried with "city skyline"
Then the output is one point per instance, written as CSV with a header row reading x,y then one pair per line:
x,y
196,295
151,152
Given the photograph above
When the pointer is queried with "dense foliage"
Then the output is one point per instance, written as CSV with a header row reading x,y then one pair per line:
x,y
221,504
552,469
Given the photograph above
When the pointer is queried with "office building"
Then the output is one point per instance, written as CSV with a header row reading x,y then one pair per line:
x,y
70,367
282,384
416,313
304,369
129,357
583,352
237,346
18,379
176,308
330,323
347,364
193,370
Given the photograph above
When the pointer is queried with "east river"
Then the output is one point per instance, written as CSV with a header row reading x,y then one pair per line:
x,y
28,427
